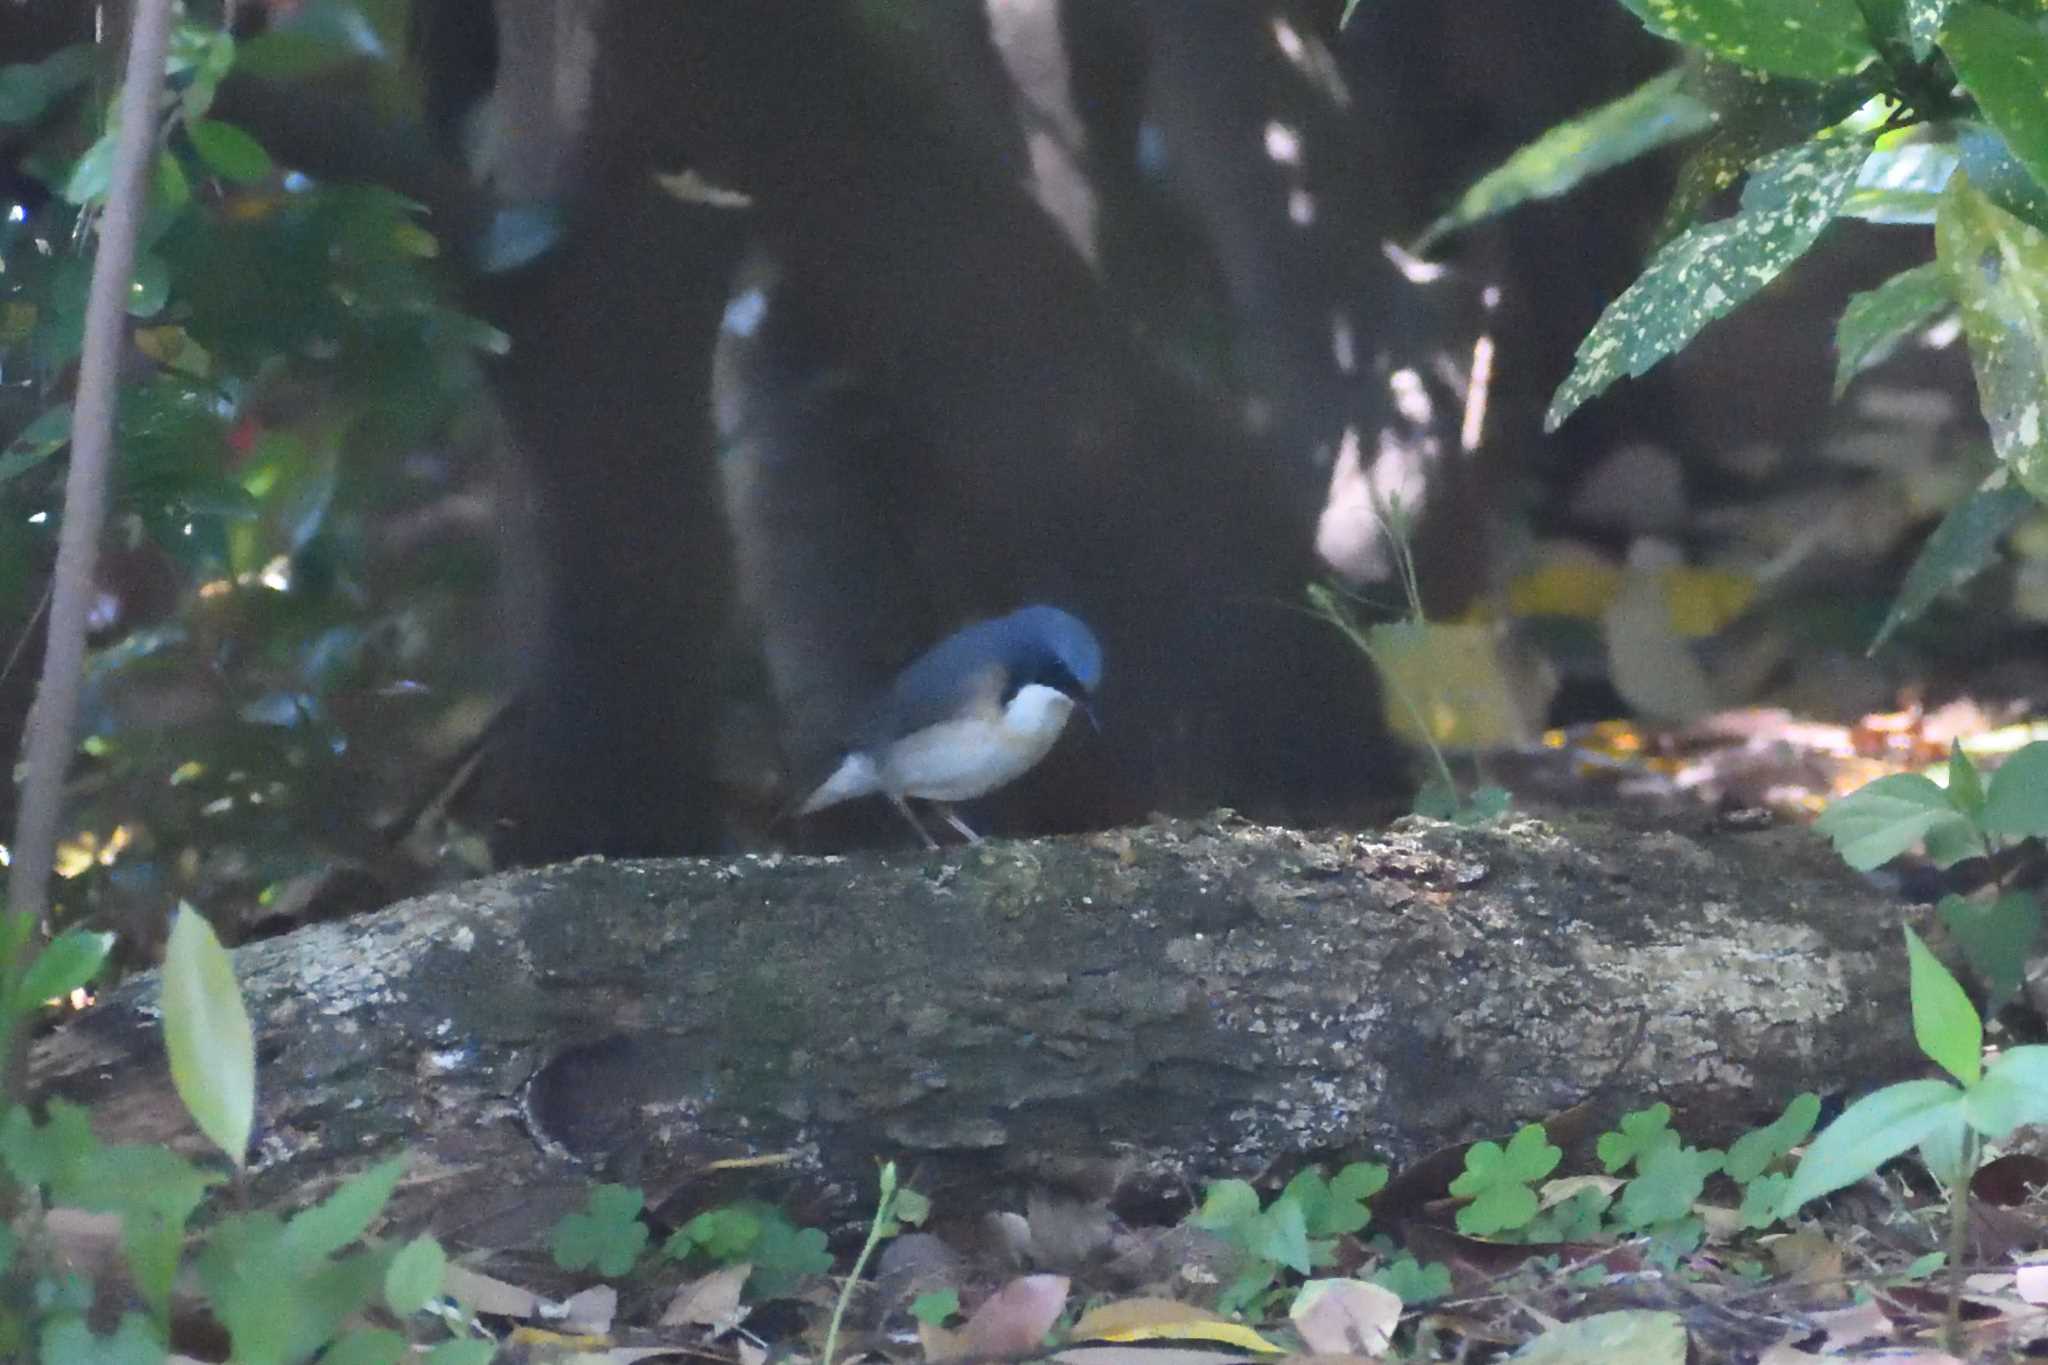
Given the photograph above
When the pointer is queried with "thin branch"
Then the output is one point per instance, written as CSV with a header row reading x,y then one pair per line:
x,y
46,752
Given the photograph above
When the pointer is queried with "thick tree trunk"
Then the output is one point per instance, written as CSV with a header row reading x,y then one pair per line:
x,y
1180,1000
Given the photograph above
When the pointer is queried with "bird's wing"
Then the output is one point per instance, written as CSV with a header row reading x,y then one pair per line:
x,y
934,689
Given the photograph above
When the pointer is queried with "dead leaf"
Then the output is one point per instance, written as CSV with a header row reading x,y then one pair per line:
x,y
1638,1336
2031,1281
1011,1322
1340,1317
1847,1327
481,1293
1808,1258
1554,1192
590,1312
711,1300
1146,1355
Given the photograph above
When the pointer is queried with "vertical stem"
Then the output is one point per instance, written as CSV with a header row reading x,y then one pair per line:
x,y
1958,1245
46,752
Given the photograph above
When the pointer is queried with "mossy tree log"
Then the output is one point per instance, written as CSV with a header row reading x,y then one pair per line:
x,y
1184,999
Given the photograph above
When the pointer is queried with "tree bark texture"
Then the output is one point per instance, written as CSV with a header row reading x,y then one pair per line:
x,y
1183,1000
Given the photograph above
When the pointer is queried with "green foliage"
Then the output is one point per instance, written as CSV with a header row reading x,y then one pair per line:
x,y
606,1236
1880,820
283,1288
1641,1134
1995,938
934,1307
780,1252
1895,111
207,1033
1497,1179
1656,113
1708,271
895,1205
1296,1232
1874,323
299,379
1941,1118
1669,1181
1810,39
1750,1155
1414,1281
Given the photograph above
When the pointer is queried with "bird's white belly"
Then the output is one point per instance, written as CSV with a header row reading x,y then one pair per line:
x,y
962,759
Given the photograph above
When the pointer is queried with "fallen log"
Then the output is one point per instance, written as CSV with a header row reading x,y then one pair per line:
x,y
1179,1001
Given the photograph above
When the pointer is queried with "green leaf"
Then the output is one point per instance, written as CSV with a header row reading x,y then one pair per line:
x,y
89,178
413,1279
2016,803
169,188
29,88
1643,1132
1671,1180
229,152
1998,174
1413,1281
607,1236
912,1207
1497,1181
1812,39
1581,1218
725,1234
375,1346
1875,322
2002,59
934,1306
68,1341
1760,1200
206,1032
46,1153
66,963
343,1216
1281,1236
462,1353
1652,115
2014,1091
1998,267
1750,1154
1945,1023
149,288
1880,820
1709,270
783,1255
1949,1152
1996,940
1227,1204
1965,787
1958,549
1869,1133
36,442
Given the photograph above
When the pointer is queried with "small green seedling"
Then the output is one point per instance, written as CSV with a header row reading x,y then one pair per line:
x,y
1296,1232
895,1206
1967,818
1497,1181
1947,1121
780,1253
606,1236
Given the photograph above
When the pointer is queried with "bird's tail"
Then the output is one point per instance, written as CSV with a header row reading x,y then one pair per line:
x,y
855,776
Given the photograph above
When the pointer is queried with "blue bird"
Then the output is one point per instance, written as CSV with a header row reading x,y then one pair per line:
x,y
978,710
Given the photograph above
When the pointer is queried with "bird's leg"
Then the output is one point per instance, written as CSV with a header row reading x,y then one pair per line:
x,y
897,799
952,817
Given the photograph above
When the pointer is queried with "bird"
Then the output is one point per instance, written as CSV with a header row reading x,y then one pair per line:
x,y
976,711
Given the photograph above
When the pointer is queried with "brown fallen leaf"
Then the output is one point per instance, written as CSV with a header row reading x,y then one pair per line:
x,y
1011,1322
1637,1336
1346,1317
1847,1327
590,1312
711,1300
481,1293
1147,1355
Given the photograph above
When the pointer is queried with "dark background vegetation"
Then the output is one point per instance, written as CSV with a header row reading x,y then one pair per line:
x,y
553,571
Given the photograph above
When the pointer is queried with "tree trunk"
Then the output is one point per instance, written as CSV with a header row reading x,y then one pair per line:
x,y
1180,1001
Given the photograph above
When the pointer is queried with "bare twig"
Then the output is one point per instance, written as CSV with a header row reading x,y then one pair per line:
x,y
47,749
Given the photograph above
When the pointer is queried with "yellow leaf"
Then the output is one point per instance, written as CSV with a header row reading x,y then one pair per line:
x,y
1164,1320
1703,601
1460,683
1579,588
